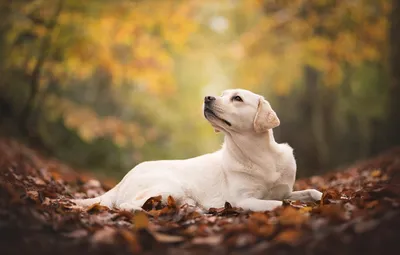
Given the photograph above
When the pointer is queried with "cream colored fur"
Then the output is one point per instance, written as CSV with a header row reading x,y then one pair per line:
x,y
251,170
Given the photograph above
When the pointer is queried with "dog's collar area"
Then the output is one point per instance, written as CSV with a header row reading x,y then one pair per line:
x,y
209,111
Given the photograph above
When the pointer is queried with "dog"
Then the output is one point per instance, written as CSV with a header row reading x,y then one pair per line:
x,y
250,171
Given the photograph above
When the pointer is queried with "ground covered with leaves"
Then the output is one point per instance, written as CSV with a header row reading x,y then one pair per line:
x,y
359,214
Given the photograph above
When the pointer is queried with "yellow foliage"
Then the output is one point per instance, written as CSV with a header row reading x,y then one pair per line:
x,y
344,32
90,125
135,43
333,75
121,39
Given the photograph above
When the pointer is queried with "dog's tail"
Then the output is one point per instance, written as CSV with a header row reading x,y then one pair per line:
x,y
107,199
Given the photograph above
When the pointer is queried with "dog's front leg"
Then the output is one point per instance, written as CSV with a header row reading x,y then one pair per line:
x,y
308,195
130,207
255,204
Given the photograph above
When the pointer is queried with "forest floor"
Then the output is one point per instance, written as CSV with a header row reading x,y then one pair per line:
x,y
358,214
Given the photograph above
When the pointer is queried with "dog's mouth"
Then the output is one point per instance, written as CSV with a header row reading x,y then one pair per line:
x,y
209,112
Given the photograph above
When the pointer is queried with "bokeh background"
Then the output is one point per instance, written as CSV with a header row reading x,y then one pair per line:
x,y
106,84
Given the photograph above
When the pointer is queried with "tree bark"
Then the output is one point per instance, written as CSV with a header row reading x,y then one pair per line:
x,y
393,134
37,70
317,116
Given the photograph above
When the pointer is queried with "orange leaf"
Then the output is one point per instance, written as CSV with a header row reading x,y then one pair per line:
x,y
96,208
140,220
171,202
289,236
291,216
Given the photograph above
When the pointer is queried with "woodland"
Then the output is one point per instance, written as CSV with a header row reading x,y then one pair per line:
x,y
89,89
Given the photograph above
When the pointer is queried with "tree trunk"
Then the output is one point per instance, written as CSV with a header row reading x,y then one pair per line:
x,y
37,70
393,134
317,116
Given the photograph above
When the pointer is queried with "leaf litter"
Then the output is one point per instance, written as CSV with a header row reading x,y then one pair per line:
x,y
358,214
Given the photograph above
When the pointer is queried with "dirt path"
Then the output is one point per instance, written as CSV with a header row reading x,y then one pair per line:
x,y
359,214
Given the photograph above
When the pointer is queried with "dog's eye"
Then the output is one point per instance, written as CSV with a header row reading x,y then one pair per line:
x,y
237,98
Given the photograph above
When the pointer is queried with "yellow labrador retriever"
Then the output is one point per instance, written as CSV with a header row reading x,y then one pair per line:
x,y
250,171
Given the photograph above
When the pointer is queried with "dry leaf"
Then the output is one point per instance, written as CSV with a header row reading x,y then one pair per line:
x,y
358,200
291,216
104,235
290,236
164,238
96,208
376,173
140,221
132,241
79,233
209,240
171,202
152,203
333,212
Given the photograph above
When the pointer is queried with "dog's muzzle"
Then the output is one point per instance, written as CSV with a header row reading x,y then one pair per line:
x,y
208,102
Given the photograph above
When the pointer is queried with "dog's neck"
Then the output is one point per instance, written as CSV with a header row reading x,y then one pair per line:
x,y
250,150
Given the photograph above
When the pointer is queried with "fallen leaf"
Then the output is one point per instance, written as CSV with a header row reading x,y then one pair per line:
x,y
376,173
259,217
261,228
225,211
79,233
243,240
358,203
171,202
290,236
329,196
96,208
371,204
209,240
152,203
164,238
39,182
140,221
34,195
291,216
104,235
132,241
333,212
364,226
123,214
306,209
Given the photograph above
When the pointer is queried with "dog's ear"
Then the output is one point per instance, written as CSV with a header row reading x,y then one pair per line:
x,y
265,118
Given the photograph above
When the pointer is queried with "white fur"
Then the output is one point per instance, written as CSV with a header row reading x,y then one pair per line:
x,y
251,170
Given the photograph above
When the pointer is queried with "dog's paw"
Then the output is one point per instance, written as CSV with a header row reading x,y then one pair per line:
x,y
129,207
271,205
315,194
258,205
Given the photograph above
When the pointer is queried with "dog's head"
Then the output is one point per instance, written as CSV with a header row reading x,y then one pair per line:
x,y
239,110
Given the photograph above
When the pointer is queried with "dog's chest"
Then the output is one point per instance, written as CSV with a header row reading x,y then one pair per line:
x,y
272,187
254,182
273,182
282,186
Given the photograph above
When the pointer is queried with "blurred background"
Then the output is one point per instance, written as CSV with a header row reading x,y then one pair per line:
x,y
106,84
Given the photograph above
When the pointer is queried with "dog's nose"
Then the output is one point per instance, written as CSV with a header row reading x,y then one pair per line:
x,y
209,99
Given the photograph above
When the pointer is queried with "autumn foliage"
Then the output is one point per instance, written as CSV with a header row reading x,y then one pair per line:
x,y
123,80
358,214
